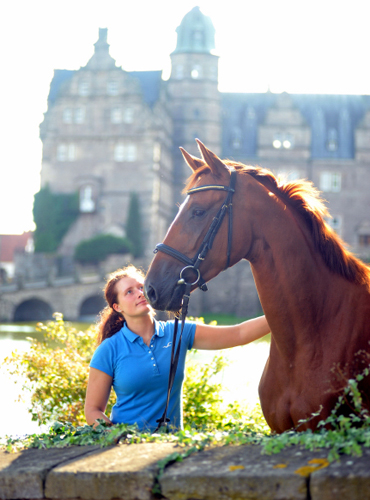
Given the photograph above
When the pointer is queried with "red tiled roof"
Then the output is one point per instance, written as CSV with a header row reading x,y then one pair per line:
x,y
11,242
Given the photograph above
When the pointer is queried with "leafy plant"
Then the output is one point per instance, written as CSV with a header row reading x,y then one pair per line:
x,y
56,371
98,248
53,214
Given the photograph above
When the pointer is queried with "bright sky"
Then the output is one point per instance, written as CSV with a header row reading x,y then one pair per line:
x,y
315,46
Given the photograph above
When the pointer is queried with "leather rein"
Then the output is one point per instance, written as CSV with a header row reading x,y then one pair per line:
x,y
193,265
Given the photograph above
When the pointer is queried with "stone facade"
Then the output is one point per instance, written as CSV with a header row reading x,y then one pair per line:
x,y
108,132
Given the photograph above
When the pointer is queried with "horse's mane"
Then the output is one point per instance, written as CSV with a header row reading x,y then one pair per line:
x,y
302,196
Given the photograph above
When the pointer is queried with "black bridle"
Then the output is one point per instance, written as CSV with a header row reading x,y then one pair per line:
x,y
193,265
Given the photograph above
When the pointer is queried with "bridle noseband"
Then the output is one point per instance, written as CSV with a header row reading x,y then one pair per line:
x,y
193,264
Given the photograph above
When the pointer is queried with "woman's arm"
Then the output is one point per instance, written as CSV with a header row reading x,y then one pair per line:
x,y
221,337
97,395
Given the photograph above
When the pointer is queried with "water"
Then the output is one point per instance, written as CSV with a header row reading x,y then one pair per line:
x,y
239,379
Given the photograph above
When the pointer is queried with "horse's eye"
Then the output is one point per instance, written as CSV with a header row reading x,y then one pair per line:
x,y
198,213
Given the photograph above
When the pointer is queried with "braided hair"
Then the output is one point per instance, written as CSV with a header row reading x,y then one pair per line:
x,y
110,320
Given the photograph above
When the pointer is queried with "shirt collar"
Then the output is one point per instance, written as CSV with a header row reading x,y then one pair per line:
x,y
131,336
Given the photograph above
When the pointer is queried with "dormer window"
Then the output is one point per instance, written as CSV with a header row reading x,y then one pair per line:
x,y
79,115
84,88
116,115
67,115
112,88
128,115
332,142
283,141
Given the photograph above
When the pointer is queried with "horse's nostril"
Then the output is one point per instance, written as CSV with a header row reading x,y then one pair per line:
x,y
150,294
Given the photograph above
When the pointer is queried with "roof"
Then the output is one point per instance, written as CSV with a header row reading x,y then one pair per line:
x,y
150,82
329,116
9,243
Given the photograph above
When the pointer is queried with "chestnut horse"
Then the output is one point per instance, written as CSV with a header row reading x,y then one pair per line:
x,y
314,293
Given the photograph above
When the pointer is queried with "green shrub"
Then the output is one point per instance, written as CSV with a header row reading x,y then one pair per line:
x,y
98,248
53,213
56,373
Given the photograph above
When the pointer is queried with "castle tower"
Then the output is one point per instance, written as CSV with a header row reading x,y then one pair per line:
x,y
193,91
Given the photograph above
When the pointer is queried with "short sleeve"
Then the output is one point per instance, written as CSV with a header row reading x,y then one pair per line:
x,y
103,358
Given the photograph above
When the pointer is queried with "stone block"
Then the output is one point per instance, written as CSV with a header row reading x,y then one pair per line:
x,y
22,474
347,479
240,472
126,472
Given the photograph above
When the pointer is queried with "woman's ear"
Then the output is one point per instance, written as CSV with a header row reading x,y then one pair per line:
x,y
116,308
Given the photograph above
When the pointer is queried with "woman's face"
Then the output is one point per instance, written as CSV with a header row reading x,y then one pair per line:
x,y
130,298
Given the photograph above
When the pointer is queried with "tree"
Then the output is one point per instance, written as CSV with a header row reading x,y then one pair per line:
x,y
134,230
53,214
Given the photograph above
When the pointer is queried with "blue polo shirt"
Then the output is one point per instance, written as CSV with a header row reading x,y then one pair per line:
x,y
140,374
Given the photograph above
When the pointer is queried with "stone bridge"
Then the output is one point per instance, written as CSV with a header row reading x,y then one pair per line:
x,y
37,301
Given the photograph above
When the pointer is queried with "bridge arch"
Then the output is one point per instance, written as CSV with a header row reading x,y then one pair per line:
x,y
33,309
90,307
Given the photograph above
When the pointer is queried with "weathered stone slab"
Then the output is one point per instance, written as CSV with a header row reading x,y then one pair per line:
x,y
126,472
22,474
240,472
347,479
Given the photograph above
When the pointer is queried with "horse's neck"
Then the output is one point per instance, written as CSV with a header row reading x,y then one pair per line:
x,y
293,283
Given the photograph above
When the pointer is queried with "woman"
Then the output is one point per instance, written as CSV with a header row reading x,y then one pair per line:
x,y
134,355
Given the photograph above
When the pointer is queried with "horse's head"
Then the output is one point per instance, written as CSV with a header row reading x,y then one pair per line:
x,y
188,232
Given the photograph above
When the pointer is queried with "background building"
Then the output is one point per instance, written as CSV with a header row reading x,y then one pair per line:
x,y
108,133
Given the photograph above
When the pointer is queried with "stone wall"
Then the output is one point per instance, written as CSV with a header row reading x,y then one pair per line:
x,y
131,472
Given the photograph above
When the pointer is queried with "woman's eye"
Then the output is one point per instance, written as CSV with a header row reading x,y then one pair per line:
x,y
198,213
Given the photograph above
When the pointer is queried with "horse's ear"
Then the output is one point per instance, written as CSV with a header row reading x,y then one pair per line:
x,y
212,160
193,162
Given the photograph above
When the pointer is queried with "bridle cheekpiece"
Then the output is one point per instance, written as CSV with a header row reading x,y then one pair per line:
x,y
206,245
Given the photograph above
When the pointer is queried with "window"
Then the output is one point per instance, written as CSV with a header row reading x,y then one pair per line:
x,y
335,223
125,152
283,140
84,88
179,75
196,72
330,182
116,115
87,203
289,175
364,240
156,152
112,88
67,115
66,152
128,115
332,142
79,115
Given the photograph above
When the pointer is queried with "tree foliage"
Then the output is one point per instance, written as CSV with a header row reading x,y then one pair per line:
x,y
53,214
98,248
134,227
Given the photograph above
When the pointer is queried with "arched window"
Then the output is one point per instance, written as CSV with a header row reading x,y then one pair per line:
x,y
87,203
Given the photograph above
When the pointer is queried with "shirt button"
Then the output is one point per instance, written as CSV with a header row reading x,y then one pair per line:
x,y
152,359
153,364
150,352
151,346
